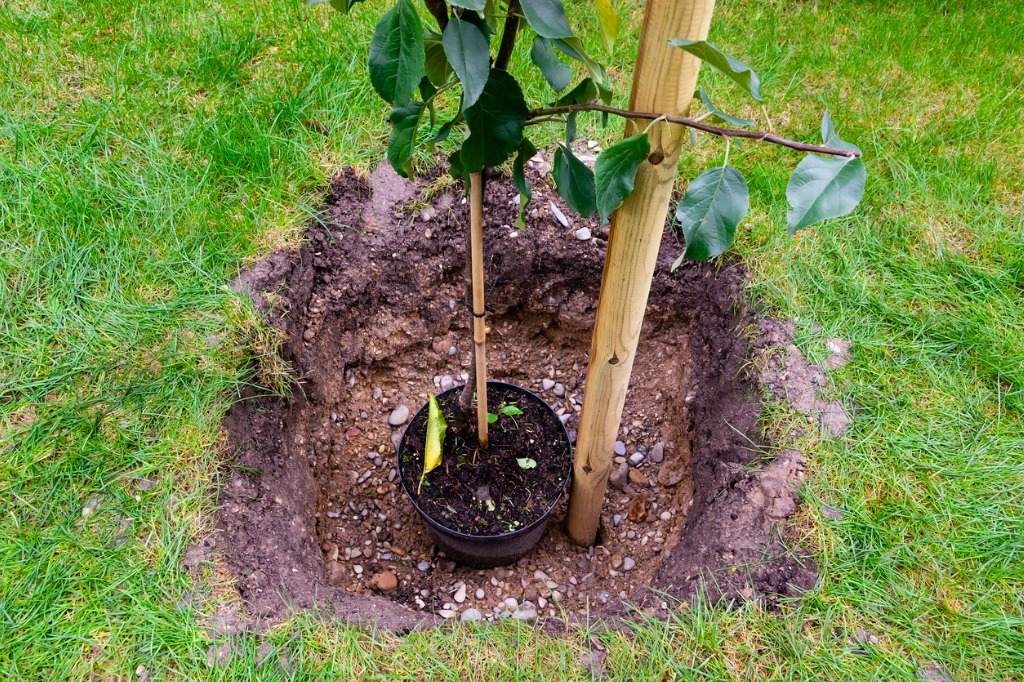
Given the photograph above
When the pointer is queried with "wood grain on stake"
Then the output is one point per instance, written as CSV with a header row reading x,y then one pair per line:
x,y
664,81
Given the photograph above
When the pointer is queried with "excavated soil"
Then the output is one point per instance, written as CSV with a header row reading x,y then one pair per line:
x,y
313,514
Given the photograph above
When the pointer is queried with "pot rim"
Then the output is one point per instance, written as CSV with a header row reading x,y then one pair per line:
x,y
513,533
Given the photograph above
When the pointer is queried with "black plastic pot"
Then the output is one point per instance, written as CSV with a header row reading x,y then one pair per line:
x,y
487,551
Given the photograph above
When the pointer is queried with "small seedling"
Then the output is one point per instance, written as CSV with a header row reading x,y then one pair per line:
x,y
508,410
527,463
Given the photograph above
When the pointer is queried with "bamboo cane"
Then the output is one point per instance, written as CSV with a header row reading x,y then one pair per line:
x,y
664,81
476,238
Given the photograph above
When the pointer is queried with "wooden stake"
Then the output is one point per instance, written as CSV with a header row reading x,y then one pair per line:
x,y
476,238
664,81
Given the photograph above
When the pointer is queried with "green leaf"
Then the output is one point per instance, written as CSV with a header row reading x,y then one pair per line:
x,y
436,428
824,187
495,122
527,463
575,182
526,151
609,21
396,60
511,410
467,52
615,171
404,121
547,18
583,93
573,47
482,23
714,205
491,417
457,170
829,137
445,130
721,115
475,5
427,90
730,66
556,73
435,62
342,6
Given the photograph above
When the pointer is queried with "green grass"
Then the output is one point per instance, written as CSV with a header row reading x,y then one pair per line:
x,y
149,150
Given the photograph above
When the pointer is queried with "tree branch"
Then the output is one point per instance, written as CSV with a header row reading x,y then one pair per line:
x,y
757,135
440,11
508,36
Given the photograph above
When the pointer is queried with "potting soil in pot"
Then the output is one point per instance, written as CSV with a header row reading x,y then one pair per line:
x,y
497,490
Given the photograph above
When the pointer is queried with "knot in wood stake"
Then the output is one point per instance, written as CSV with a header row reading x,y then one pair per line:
x,y
656,157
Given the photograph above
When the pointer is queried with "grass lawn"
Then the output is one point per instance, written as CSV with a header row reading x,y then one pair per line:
x,y
148,150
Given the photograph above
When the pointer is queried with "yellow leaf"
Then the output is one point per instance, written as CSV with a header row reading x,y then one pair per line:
x,y
436,427
609,21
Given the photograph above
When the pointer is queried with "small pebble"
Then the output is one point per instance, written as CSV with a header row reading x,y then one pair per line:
x,y
616,520
583,234
526,613
470,615
628,564
447,382
665,516
619,477
548,384
399,415
658,453
446,613
559,216
559,390
377,393
619,448
460,594
636,458
510,603
479,593
423,566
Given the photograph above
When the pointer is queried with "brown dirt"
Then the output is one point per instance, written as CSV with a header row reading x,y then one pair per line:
x,y
312,510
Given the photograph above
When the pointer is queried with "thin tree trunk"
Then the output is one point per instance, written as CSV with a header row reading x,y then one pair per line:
x,y
476,232
664,81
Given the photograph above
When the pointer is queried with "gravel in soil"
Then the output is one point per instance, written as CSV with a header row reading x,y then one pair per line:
x,y
373,323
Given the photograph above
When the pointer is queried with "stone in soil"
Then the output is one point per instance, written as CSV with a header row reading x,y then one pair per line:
x,y
470,615
658,452
619,448
399,415
583,234
618,477
559,216
385,581
636,477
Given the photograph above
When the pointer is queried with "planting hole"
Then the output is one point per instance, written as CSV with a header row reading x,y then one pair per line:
x,y
313,511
